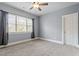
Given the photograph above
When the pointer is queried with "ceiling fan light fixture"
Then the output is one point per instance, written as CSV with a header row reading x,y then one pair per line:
x,y
38,5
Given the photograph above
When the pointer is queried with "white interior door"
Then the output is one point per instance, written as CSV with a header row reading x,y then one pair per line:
x,y
71,29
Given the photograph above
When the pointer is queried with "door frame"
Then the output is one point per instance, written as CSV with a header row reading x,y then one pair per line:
x,y
63,30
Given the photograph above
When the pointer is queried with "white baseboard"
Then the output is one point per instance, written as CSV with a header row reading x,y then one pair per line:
x,y
59,42
55,41
77,46
15,43
18,42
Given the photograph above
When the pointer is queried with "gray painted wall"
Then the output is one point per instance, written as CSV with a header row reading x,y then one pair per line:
x,y
50,25
13,37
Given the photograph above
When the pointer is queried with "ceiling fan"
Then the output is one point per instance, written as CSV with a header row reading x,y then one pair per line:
x,y
38,5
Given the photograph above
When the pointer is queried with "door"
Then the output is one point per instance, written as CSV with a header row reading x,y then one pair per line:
x,y
71,29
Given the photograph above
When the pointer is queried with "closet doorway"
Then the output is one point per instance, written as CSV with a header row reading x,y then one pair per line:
x,y
70,29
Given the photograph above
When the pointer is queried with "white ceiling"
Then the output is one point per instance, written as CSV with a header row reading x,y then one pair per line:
x,y
52,6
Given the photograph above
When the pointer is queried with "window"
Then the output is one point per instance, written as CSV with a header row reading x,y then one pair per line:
x,y
11,22
19,24
29,25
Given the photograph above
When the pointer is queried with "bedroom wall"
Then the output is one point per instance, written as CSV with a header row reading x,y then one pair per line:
x,y
50,25
14,37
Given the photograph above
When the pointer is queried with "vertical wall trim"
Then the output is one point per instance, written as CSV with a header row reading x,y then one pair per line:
x,y
63,40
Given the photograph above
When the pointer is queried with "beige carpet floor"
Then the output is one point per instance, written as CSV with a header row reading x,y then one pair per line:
x,y
39,48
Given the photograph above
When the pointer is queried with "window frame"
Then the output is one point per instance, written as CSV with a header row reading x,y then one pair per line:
x,y
26,31
21,24
11,23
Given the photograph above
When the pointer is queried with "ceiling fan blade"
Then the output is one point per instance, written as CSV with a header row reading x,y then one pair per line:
x,y
33,3
39,9
31,8
43,4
